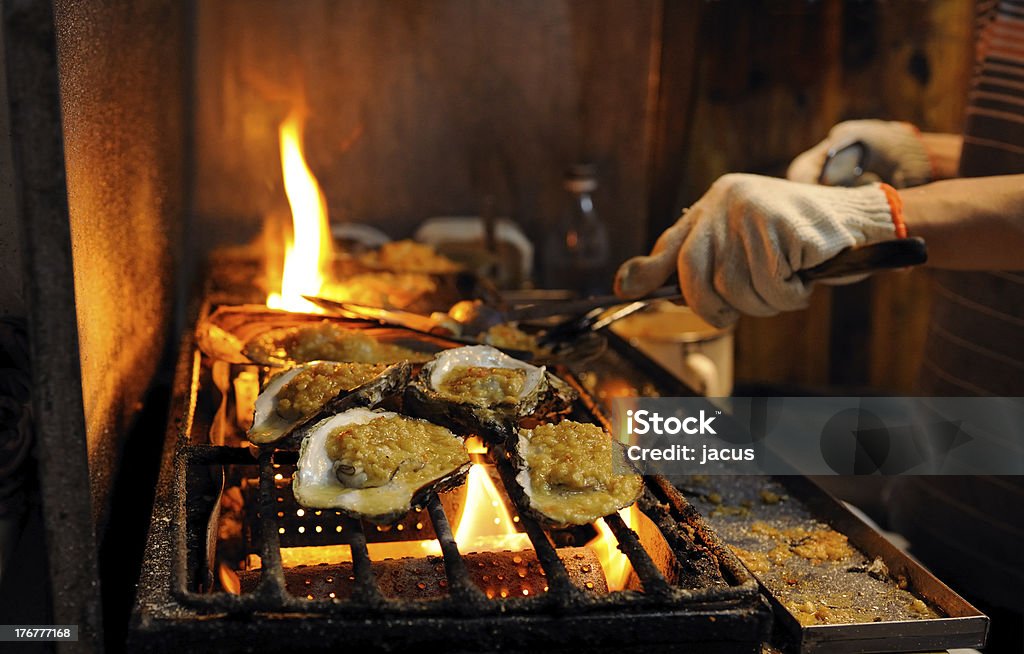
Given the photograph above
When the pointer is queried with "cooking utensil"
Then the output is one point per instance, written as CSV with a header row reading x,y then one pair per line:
x,y
844,165
479,317
864,259
408,320
476,317
885,255
591,321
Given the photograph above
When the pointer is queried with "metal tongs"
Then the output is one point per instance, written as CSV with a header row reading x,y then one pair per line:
x,y
885,255
475,317
587,314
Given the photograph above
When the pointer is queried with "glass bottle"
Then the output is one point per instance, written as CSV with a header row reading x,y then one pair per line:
x,y
578,250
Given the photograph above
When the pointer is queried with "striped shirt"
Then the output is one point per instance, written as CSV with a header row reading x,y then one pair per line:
x,y
976,339
971,529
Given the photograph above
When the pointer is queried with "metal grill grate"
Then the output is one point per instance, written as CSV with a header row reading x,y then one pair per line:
x,y
277,526
692,606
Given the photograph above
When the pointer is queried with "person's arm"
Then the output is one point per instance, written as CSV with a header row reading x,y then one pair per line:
x,y
944,153
971,223
895,152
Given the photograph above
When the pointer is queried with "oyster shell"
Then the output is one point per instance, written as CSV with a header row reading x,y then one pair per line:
x,y
248,334
376,465
567,473
316,390
326,341
222,335
481,390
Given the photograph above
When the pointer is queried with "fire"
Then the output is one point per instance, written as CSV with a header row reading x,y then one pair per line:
x,y
485,524
616,565
229,579
308,254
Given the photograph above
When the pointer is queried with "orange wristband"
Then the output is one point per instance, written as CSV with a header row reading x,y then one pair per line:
x,y
896,209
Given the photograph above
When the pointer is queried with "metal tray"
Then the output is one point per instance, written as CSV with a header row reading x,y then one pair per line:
x,y
961,625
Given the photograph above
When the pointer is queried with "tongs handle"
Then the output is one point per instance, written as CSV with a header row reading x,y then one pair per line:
x,y
858,260
583,305
862,259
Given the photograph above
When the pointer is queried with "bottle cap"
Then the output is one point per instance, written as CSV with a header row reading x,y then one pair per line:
x,y
581,178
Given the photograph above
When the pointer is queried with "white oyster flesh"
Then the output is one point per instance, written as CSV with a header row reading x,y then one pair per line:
x,y
523,473
483,356
322,483
316,484
267,424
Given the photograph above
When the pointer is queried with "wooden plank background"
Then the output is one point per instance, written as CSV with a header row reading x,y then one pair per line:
x,y
420,109
424,108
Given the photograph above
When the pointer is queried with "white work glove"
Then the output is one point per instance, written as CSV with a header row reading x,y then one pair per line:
x,y
739,248
894,154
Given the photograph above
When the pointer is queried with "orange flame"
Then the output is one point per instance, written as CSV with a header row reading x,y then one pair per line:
x,y
616,565
308,254
485,524
229,580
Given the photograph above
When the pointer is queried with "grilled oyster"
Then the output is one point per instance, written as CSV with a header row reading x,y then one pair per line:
x,y
481,390
325,341
315,390
568,473
376,465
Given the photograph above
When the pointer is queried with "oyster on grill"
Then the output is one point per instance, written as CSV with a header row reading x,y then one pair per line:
x,y
315,390
481,390
572,473
376,465
326,341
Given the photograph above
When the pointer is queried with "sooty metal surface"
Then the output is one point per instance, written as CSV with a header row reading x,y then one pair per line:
x,y
703,597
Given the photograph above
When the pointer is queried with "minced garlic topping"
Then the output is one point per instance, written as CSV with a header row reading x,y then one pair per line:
x,y
407,255
327,342
815,545
409,450
510,336
571,473
484,386
306,392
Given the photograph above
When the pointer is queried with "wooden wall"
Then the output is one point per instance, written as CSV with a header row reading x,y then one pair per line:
x,y
423,108
420,109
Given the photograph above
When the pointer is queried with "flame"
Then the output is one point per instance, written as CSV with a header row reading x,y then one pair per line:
x,y
308,253
229,580
485,518
485,524
616,565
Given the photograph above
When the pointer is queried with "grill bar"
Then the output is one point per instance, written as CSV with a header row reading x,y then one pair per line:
x,y
367,590
650,576
272,574
465,595
562,592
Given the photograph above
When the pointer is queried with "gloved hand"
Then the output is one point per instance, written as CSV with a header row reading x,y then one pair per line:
x,y
738,249
894,154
